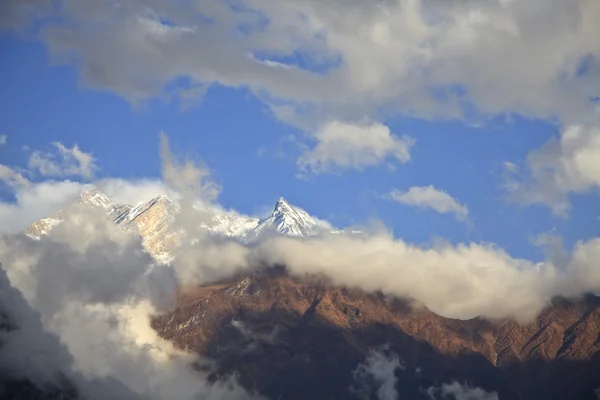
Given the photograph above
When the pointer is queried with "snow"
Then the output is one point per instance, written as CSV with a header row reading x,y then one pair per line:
x,y
94,197
154,221
287,220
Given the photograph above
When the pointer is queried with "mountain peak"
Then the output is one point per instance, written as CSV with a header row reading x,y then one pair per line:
x,y
282,205
286,219
91,195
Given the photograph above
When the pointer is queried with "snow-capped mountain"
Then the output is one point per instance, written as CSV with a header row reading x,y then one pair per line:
x,y
155,222
89,196
287,220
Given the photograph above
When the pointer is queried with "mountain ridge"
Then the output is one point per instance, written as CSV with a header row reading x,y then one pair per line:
x,y
297,338
154,220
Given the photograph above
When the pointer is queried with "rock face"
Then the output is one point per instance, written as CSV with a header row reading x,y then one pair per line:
x,y
295,339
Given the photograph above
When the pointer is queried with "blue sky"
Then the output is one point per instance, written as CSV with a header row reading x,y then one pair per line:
x,y
235,127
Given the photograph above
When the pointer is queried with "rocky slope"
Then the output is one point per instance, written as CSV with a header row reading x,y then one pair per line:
x,y
295,339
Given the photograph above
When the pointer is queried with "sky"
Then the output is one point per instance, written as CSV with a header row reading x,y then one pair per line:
x,y
445,121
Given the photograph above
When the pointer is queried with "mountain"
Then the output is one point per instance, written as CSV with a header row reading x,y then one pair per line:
x,y
297,338
89,196
293,338
154,220
287,220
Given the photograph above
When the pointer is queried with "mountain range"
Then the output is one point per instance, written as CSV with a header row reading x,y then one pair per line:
x,y
291,337
154,220
298,338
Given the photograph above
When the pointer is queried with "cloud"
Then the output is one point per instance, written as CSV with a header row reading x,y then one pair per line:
x,y
90,284
424,58
343,146
63,162
12,177
124,191
16,15
2,140
430,197
569,164
378,372
255,338
95,288
191,179
463,281
457,391
35,201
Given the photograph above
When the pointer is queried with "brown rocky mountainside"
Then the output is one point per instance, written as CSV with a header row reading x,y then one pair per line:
x,y
292,338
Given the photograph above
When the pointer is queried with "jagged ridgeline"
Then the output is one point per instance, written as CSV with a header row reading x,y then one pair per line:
x,y
155,221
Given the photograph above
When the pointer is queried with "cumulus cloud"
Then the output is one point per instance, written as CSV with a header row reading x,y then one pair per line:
x,y
95,288
200,257
343,146
568,164
430,197
62,162
457,391
90,284
3,140
34,201
377,374
421,57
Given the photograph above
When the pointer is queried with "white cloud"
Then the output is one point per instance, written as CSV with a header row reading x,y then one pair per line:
x,y
192,180
2,140
430,197
457,391
569,164
35,201
12,177
343,146
462,281
90,284
420,57
123,191
63,161
379,367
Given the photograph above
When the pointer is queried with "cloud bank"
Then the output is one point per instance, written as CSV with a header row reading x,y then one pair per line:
x,y
90,284
421,57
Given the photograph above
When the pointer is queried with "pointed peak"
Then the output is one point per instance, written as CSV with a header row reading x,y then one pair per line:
x,y
281,204
93,196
